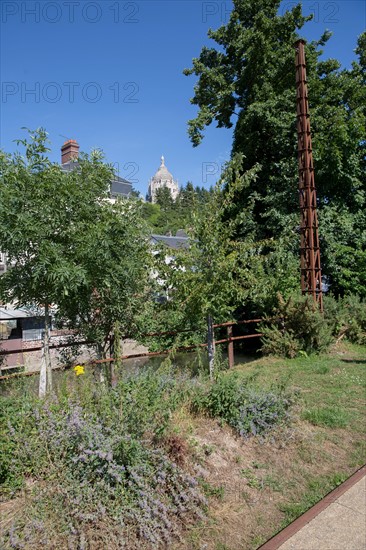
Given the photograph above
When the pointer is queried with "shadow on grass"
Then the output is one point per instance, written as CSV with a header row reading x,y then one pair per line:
x,y
356,361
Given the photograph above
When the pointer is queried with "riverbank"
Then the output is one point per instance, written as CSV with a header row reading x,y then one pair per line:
x,y
227,489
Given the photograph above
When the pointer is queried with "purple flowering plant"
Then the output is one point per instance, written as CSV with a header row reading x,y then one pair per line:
x,y
97,461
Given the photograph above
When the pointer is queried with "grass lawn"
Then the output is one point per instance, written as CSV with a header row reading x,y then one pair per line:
x,y
259,485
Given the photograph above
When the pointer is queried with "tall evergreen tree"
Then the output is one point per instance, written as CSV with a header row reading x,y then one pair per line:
x,y
248,82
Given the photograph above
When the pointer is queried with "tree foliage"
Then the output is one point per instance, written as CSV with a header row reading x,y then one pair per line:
x,y
167,216
67,245
248,82
114,253
216,271
40,213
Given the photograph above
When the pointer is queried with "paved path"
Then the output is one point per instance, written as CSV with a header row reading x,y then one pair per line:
x,y
338,522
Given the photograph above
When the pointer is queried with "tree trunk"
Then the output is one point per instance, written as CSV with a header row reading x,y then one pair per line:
x,y
115,352
45,378
100,366
211,346
42,375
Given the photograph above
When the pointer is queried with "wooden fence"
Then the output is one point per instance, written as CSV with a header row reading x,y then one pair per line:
x,y
229,340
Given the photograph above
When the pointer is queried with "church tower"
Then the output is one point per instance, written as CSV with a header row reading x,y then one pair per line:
x,y
162,178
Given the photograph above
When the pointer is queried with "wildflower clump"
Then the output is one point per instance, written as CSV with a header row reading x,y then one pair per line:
x,y
248,410
98,474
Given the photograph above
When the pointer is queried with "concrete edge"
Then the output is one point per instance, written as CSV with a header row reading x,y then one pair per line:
x,y
277,540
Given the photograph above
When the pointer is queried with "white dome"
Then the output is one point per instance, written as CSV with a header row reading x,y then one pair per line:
x,y
163,173
162,178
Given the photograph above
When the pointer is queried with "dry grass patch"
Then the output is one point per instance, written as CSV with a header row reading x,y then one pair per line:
x,y
250,482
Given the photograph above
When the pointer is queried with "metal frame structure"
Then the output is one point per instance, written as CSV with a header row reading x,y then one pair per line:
x,y
311,275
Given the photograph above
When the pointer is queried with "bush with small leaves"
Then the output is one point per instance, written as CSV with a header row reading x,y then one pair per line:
x,y
347,317
248,410
299,327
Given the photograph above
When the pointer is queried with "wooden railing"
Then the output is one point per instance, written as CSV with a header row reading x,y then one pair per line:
x,y
229,340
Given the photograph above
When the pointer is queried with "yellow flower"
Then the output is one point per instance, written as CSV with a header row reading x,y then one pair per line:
x,y
79,369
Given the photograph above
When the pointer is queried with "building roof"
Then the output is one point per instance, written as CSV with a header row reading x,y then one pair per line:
x,y
119,186
176,242
9,314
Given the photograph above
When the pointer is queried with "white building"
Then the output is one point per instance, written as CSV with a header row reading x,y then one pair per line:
x,y
162,178
2,262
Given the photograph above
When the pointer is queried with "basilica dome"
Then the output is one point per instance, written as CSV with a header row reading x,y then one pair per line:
x,y
162,178
163,173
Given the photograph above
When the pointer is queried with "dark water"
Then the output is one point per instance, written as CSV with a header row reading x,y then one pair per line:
x,y
188,360
192,362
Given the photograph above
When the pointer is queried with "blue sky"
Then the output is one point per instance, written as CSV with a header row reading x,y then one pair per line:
x,y
109,74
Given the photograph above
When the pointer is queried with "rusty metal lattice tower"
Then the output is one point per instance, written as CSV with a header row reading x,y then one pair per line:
x,y
311,275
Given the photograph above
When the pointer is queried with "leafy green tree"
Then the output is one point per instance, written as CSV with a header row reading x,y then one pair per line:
x,y
115,255
202,194
188,196
166,203
248,82
343,245
167,216
164,198
217,273
66,245
151,214
187,201
39,211
135,193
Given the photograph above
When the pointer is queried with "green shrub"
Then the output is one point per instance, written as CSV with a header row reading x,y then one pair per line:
x,y
300,327
347,317
248,410
279,342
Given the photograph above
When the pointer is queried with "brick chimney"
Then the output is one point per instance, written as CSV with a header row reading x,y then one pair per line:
x,y
69,151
